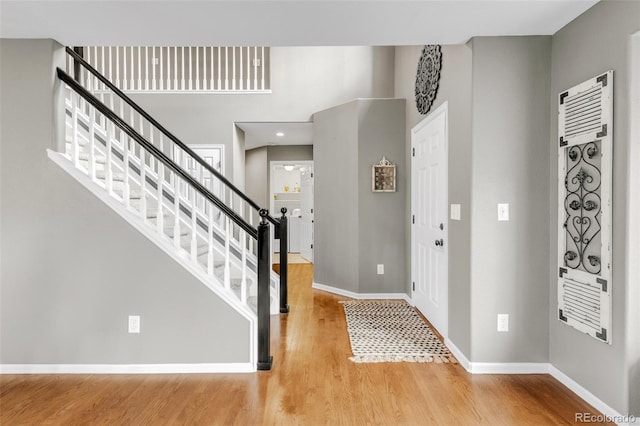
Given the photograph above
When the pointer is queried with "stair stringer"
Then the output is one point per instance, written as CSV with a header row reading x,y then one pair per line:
x,y
165,245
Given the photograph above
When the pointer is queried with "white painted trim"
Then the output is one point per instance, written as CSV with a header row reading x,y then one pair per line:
x,y
508,368
462,360
126,368
541,368
588,397
360,296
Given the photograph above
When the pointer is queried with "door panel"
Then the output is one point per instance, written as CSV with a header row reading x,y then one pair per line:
x,y
429,229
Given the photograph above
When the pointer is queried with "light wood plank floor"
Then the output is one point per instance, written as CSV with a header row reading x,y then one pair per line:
x,y
312,383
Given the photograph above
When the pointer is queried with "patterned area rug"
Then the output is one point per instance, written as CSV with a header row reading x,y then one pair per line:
x,y
383,331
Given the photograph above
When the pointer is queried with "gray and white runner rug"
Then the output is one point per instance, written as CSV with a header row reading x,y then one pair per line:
x,y
391,331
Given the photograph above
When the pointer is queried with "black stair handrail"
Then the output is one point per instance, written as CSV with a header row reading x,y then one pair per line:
x,y
153,150
168,134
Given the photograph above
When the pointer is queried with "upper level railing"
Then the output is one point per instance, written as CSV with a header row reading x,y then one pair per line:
x,y
179,69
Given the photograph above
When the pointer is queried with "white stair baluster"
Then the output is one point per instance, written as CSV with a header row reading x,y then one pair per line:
x,y
143,184
233,76
175,184
151,157
226,68
243,247
211,85
262,66
111,95
146,68
91,166
139,68
75,147
194,233
161,63
190,68
175,68
248,68
255,68
227,267
121,84
250,223
160,184
210,265
241,78
197,68
125,160
219,69
109,159
133,82
182,85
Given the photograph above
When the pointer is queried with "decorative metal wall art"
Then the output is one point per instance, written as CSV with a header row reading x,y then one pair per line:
x,y
428,77
383,176
584,206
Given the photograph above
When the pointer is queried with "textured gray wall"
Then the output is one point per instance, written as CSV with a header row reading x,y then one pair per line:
x,y
509,261
71,269
356,229
304,80
593,43
454,88
335,190
256,168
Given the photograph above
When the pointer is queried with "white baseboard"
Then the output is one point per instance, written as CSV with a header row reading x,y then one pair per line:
x,y
352,295
543,368
462,360
126,368
610,414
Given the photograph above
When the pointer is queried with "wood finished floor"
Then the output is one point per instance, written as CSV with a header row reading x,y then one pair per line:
x,y
312,383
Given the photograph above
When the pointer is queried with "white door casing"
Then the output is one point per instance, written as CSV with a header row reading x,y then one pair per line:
x,y
429,201
306,209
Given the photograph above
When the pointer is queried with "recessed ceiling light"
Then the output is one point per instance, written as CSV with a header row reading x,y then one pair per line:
x,y
289,167
280,134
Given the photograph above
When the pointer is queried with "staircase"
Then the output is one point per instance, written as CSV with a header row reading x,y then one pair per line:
x,y
200,219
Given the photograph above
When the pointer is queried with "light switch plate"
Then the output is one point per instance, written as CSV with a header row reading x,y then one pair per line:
x,y
134,323
503,211
380,269
503,322
455,211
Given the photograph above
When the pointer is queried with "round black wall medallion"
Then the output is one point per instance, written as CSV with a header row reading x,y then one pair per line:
x,y
427,77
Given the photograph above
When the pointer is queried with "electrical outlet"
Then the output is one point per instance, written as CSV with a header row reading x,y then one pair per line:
x,y
134,323
503,322
380,269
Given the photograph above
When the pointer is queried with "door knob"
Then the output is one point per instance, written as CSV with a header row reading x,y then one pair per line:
x,y
440,243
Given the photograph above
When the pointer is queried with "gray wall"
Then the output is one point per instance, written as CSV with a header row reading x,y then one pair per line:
x,y
593,43
509,260
356,229
335,191
256,172
454,88
303,80
71,269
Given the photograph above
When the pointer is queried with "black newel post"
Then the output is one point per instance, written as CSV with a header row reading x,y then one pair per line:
x,y
284,268
264,315
76,64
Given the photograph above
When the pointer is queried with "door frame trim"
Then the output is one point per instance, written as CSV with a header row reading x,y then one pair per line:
x,y
441,109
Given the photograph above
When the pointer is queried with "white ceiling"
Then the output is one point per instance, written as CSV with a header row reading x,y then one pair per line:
x,y
264,134
281,23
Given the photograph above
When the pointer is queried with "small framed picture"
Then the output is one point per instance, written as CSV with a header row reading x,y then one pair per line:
x,y
383,176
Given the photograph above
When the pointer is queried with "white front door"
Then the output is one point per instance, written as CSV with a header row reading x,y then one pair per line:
x,y
429,246
306,210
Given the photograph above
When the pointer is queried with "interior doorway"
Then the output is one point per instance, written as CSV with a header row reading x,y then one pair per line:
x,y
291,186
429,233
